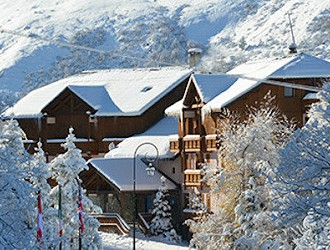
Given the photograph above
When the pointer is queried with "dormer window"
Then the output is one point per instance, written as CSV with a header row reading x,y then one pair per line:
x,y
146,89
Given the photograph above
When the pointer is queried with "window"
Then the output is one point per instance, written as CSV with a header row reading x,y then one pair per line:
x,y
288,92
51,120
191,161
146,89
173,170
148,203
189,114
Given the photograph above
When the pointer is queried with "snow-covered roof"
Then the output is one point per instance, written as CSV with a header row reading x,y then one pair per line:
x,y
195,50
119,171
174,109
209,86
218,90
127,147
292,66
311,96
304,66
165,127
110,92
159,135
239,88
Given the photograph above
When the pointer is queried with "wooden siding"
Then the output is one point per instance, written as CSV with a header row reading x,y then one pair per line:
x,y
69,110
193,154
293,107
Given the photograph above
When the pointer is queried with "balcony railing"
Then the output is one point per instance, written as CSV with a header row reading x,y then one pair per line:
x,y
192,143
192,177
211,142
174,144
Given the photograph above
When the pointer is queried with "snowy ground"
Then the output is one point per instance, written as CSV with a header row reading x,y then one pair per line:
x,y
112,241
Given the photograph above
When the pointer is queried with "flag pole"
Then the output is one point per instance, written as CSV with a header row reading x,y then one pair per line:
x,y
80,214
60,228
40,222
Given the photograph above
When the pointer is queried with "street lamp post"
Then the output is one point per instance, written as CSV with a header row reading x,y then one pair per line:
x,y
150,171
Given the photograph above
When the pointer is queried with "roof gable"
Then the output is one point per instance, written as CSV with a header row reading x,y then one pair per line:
x,y
204,87
129,92
192,95
212,85
67,102
97,97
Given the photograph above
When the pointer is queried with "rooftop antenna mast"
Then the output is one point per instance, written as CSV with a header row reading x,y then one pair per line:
x,y
293,46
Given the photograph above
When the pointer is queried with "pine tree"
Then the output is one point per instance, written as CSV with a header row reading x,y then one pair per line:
x,y
303,178
66,168
161,223
49,213
248,156
316,232
17,218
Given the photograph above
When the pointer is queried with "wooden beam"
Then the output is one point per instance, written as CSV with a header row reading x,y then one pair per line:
x,y
122,202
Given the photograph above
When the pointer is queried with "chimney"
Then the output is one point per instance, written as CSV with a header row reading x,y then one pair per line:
x,y
293,49
194,56
293,46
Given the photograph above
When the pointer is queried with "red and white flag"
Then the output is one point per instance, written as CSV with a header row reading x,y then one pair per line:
x,y
80,211
60,227
40,223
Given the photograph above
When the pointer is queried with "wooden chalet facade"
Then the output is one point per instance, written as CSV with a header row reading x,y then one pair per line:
x,y
90,104
206,96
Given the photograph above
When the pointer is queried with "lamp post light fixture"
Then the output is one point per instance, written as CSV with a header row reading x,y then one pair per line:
x,y
150,169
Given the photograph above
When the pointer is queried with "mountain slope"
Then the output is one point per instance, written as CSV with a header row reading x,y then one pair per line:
x,y
157,32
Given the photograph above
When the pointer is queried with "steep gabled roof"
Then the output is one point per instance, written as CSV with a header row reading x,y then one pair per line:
x,y
97,97
292,66
209,86
116,92
220,90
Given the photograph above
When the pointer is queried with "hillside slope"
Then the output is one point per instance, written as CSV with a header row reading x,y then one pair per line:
x,y
140,33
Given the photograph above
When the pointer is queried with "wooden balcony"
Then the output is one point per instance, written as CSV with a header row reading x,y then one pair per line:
x,y
192,177
211,142
192,143
174,144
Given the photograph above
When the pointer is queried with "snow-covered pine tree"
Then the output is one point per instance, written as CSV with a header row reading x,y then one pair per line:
x,y
316,232
17,218
161,224
303,177
49,213
197,204
248,155
66,168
